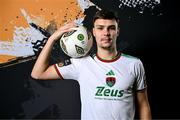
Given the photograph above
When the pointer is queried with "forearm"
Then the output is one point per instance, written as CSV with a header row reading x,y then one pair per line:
x,y
143,105
145,113
42,62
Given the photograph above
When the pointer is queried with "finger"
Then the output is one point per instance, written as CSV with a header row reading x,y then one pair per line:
x,y
70,27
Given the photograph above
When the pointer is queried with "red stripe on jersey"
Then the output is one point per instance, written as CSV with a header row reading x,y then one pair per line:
x,y
58,71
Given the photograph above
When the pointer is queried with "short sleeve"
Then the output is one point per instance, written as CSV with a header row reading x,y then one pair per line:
x,y
140,77
67,69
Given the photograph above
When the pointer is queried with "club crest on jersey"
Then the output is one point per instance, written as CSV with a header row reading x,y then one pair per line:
x,y
110,79
64,63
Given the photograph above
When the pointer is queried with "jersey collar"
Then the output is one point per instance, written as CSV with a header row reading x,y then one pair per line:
x,y
108,61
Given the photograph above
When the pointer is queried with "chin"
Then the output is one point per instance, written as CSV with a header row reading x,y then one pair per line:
x,y
106,46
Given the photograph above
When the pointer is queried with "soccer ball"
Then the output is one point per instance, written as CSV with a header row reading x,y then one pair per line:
x,y
76,43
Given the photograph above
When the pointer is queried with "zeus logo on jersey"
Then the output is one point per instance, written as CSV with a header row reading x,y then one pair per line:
x,y
108,91
103,91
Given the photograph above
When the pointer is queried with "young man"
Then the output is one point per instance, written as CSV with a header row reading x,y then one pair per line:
x,y
109,81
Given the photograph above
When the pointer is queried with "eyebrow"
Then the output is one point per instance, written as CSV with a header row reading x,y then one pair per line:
x,y
105,26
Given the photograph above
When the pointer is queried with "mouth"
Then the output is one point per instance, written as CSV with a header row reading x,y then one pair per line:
x,y
106,39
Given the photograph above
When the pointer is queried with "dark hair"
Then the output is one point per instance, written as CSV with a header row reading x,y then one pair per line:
x,y
106,14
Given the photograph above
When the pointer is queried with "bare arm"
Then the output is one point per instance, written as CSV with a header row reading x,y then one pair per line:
x,y
42,69
143,105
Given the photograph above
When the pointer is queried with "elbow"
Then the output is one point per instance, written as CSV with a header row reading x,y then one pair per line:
x,y
34,76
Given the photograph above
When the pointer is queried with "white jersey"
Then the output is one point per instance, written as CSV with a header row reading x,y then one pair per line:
x,y
106,87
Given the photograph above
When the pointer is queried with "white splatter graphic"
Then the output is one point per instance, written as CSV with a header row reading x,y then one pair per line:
x,y
85,4
140,4
22,38
135,3
22,46
79,21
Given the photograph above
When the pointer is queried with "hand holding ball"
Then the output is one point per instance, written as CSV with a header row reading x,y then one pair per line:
x,y
76,43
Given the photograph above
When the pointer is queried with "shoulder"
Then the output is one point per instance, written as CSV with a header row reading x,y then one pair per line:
x,y
129,58
132,61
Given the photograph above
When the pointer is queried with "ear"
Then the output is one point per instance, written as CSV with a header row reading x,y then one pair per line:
x,y
118,31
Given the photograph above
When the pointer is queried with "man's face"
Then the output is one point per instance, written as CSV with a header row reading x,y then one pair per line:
x,y
106,32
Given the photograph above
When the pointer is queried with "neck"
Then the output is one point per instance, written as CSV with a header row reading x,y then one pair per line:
x,y
107,54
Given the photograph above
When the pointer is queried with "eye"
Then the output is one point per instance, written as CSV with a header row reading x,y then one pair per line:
x,y
99,28
112,28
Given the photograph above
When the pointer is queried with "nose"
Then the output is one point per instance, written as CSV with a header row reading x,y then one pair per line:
x,y
106,32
